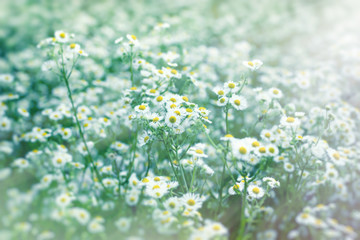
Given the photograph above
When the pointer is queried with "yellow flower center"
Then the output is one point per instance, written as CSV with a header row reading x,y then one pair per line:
x,y
242,150
255,144
256,190
262,150
142,107
237,102
290,120
152,91
72,46
62,35
159,98
199,151
191,202
231,85
155,119
336,155
172,119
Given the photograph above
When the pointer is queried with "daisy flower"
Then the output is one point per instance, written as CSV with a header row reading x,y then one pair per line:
x,y
289,167
73,48
238,102
231,87
63,200
132,39
238,187
144,138
253,64
172,204
123,224
23,112
255,191
62,36
142,108
222,101
221,92
289,121
275,93
192,201
172,119
198,151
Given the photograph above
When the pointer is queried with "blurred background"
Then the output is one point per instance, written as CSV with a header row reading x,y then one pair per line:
x,y
293,34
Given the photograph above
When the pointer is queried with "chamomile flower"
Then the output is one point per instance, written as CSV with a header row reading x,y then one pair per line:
x,y
5,124
132,39
172,204
73,48
271,182
221,92
289,167
255,191
215,228
231,87
144,138
241,148
63,200
156,189
267,235
172,119
253,64
95,226
61,158
222,101
335,157
123,224
198,151
236,188
289,121
62,36
142,108
81,215
227,137
21,163
152,92
192,201
275,93
238,102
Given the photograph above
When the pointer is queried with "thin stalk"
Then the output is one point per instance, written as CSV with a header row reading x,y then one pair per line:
x,y
243,206
66,79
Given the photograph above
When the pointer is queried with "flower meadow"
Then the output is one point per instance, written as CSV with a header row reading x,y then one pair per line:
x,y
179,119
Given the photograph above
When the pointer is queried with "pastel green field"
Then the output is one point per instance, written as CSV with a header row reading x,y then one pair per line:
x,y
181,120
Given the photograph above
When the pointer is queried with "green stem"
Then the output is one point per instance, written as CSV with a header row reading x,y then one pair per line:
x,y
66,79
243,206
